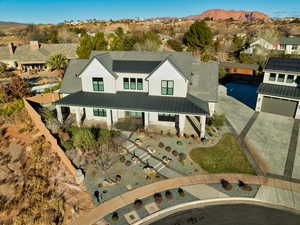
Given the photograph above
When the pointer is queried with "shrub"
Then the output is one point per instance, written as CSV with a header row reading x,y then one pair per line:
x,y
158,198
169,195
168,148
175,45
115,216
182,156
138,204
181,193
226,185
9,108
67,145
175,153
128,163
122,159
218,120
161,145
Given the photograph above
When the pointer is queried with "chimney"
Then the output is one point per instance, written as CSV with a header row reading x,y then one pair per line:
x,y
34,45
11,48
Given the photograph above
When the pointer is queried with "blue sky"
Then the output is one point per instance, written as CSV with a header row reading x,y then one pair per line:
x,y
55,11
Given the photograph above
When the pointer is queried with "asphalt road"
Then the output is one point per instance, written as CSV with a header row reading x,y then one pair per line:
x,y
234,214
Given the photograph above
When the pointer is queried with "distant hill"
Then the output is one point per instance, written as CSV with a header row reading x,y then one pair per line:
x,y
221,14
5,23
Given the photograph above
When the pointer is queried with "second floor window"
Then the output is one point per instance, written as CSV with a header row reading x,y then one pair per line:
x,y
132,83
290,79
281,78
294,47
126,83
272,77
140,84
167,87
98,84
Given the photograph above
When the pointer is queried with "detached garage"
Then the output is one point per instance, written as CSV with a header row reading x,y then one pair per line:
x,y
279,106
278,99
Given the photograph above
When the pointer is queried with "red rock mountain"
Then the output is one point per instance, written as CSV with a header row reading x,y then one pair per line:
x,y
220,14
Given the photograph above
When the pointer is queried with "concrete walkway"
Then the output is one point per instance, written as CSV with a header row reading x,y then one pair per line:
x,y
129,197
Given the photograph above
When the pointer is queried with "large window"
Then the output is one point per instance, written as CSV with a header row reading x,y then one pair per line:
x,y
99,112
167,87
290,79
126,83
294,47
283,47
272,77
281,77
168,117
140,84
132,83
98,84
132,114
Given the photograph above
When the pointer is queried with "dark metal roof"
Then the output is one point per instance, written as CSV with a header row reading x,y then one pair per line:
x,y
134,66
290,40
279,90
134,101
284,64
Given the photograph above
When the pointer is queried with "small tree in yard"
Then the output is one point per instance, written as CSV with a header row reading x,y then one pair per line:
x,y
17,88
198,37
57,62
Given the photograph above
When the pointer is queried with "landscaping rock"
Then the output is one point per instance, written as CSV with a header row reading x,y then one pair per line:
x,y
79,177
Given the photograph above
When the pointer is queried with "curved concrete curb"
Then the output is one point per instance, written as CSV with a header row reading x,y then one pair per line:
x,y
129,197
203,203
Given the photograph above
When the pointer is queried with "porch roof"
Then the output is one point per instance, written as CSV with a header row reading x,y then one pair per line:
x,y
135,101
279,90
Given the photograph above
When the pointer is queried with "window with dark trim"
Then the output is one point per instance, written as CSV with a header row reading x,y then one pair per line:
x,y
132,83
98,84
272,77
167,87
281,77
167,117
290,79
126,83
140,84
99,112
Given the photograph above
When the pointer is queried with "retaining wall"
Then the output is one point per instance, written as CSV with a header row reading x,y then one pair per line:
x,y
36,118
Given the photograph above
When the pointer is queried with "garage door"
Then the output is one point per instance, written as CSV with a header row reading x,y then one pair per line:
x,y
279,106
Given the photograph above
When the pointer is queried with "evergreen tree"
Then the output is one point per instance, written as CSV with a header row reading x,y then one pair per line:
x,y
85,47
198,37
99,42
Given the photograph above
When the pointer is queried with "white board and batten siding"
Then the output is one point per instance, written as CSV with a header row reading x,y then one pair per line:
x,y
96,69
167,72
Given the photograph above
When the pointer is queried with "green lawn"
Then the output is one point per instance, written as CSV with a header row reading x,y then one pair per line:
x,y
225,157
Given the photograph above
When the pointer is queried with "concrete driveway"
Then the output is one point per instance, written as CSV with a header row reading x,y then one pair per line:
x,y
271,137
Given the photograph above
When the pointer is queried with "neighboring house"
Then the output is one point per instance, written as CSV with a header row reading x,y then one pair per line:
x,y
161,88
259,46
240,68
279,93
290,45
33,56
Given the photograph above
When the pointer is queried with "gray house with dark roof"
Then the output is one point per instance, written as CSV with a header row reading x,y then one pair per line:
x,y
34,55
159,88
280,93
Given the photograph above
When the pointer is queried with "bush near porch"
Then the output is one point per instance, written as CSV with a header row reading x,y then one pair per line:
x,y
225,157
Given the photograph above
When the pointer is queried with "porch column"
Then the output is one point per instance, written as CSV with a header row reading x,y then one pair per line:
x,y
146,119
115,117
78,116
202,124
181,122
59,113
108,118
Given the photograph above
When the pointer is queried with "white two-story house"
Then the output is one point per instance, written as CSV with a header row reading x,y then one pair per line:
x,y
280,93
162,88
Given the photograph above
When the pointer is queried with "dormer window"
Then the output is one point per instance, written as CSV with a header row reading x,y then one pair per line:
x,y
167,87
98,84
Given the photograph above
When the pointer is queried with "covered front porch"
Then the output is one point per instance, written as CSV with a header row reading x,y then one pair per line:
x,y
131,120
